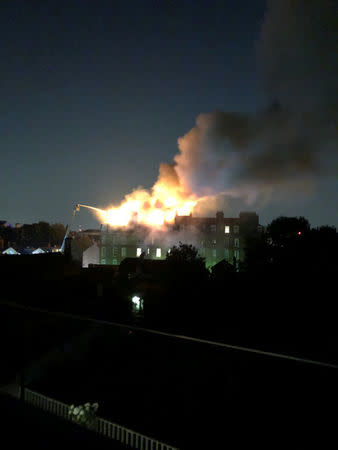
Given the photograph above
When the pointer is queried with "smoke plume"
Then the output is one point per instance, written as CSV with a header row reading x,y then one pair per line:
x,y
284,148
292,141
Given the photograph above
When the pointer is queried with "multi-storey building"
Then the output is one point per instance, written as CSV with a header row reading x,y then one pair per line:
x,y
216,238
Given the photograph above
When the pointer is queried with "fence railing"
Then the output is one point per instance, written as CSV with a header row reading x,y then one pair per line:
x,y
105,427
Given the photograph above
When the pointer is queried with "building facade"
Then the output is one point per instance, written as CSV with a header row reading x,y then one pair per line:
x,y
216,238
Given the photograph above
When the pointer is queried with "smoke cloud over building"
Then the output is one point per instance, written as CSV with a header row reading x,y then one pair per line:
x,y
285,147
290,142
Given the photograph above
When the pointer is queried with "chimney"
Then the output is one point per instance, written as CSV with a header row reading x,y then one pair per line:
x,y
219,216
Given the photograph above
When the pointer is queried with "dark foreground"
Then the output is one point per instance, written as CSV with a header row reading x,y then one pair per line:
x,y
187,394
28,427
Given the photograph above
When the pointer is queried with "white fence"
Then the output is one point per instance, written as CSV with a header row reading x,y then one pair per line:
x,y
104,427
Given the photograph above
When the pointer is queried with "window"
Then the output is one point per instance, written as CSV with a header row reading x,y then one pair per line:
x,y
103,261
226,229
138,251
213,242
214,253
236,243
236,229
226,254
114,251
158,253
114,262
123,251
148,251
212,228
103,252
236,254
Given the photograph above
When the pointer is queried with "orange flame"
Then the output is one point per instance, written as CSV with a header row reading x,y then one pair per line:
x,y
153,208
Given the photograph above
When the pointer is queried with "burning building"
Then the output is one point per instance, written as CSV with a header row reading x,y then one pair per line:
x,y
216,238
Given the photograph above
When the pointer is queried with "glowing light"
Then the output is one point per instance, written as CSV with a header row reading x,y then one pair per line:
x,y
154,208
136,300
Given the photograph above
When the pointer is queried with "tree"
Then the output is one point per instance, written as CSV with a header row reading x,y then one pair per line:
x,y
183,260
58,231
42,234
285,229
258,254
184,287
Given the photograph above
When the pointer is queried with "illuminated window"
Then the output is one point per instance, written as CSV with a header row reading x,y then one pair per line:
x,y
236,242
114,251
103,261
213,242
103,252
169,250
138,251
236,254
114,262
123,251
148,251
236,229
214,253
158,253
226,229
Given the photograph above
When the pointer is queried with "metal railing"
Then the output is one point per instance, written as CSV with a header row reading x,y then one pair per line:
x,y
109,429
46,403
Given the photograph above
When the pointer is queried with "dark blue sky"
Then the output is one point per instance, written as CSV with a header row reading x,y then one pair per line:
x,y
95,94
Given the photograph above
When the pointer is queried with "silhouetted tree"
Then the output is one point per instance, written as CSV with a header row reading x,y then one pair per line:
x,y
58,231
183,260
285,229
184,282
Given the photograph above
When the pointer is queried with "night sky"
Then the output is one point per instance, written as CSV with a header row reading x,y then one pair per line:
x,y
95,94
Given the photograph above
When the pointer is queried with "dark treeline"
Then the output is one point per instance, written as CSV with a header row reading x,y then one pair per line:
x,y
40,234
44,235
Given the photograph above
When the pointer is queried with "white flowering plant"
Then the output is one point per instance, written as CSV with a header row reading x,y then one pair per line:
x,y
84,414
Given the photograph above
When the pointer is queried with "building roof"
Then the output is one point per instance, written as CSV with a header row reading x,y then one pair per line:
x,y
10,251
